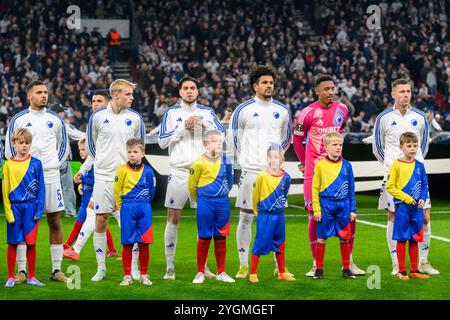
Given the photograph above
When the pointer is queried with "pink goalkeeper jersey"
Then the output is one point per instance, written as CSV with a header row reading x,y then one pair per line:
x,y
312,124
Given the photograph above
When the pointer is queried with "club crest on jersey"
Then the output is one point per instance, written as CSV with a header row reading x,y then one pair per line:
x,y
276,115
49,124
414,122
338,117
128,122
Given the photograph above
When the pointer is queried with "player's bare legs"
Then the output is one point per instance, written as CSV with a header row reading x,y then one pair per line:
x,y
392,244
56,245
101,223
243,238
424,247
170,240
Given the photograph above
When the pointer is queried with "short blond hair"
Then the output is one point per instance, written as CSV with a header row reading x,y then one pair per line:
x,y
331,136
118,85
210,133
408,137
22,133
82,141
136,142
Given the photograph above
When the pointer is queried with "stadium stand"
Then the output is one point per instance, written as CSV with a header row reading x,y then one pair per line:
x,y
218,45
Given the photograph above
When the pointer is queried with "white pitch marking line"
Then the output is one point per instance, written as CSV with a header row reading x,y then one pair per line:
x,y
384,226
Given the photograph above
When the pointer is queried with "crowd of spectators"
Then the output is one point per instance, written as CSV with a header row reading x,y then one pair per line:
x,y
219,42
35,43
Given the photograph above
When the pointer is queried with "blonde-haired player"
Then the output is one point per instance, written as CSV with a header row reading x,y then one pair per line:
x,y
108,130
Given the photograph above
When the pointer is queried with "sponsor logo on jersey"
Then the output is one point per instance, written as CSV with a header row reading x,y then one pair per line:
x,y
128,122
393,123
327,130
255,115
28,124
106,121
414,122
276,115
50,124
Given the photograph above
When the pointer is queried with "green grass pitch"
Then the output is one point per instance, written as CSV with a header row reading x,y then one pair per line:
x,y
370,250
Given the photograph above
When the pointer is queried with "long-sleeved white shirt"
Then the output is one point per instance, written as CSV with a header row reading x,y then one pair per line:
x,y
255,125
185,146
74,133
50,139
390,125
107,134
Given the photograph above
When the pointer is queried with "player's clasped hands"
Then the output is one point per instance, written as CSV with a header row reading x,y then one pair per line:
x,y
193,122
421,203
77,178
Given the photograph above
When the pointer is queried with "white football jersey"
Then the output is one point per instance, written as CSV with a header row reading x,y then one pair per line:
x,y
254,126
50,140
107,134
185,146
390,125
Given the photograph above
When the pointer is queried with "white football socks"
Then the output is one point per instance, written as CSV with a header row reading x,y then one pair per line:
x,y
135,257
100,249
56,251
424,247
244,236
170,242
392,244
21,257
86,231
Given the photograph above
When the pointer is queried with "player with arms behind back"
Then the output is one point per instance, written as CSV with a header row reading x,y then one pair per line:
x,y
312,124
108,131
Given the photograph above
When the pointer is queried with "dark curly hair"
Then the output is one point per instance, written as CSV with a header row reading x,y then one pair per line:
x,y
258,72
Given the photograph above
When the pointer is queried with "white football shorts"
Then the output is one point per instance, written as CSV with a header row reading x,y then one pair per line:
x,y
177,192
54,201
103,196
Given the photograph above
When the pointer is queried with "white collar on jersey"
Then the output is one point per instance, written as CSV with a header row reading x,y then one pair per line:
x,y
262,101
185,106
398,111
37,111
